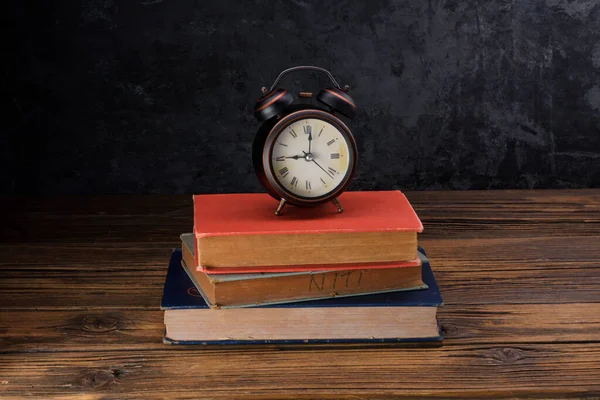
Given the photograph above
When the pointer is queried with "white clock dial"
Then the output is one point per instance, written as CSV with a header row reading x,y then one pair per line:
x,y
310,158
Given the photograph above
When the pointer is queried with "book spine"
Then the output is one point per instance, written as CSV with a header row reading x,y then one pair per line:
x,y
316,285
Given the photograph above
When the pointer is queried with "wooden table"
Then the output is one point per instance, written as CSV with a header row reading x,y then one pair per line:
x,y
519,271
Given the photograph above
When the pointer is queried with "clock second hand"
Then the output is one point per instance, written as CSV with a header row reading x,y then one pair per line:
x,y
313,160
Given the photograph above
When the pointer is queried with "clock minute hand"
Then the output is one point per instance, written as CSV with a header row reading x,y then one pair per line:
x,y
331,176
296,157
319,165
309,140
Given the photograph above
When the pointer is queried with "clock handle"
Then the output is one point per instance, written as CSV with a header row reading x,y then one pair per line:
x,y
310,68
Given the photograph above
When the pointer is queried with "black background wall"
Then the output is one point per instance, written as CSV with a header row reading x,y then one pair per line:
x,y
148,96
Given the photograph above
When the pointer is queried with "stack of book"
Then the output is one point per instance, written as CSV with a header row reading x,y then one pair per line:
x,y
310,275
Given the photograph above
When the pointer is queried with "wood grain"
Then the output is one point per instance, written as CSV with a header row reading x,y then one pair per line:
x,y
471,271
452,252
159,218
450,371
114,329
519,271
39,290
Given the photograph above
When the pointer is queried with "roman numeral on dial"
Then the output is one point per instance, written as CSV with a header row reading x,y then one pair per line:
x,y
335,156
332,141
293,134
295,182
308,185
282,158
307,129
331,170
284,171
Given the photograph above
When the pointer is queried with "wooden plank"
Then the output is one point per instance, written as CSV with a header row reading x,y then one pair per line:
x,y
520,323
505,228
445,254
102,205
462,253
546,203
96,219
51,331
505,213
555,285
476,271
117,219
520,204
166,230
135,288
86,257
39,289
119,330
31,228
474,371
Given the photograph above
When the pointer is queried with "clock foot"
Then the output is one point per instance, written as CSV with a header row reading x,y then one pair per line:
x,y
280,207
337,204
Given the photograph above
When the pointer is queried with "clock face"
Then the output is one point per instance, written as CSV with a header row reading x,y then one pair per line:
x,y
310,158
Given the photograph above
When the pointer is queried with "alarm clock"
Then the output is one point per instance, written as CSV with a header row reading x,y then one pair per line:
x,y
304,154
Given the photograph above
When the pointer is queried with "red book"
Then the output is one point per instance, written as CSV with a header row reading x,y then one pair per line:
x,y
241,231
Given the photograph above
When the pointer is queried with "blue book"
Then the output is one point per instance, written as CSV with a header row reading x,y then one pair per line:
x,y
404,316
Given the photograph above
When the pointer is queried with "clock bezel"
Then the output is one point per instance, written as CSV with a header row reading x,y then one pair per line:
x,y
267,151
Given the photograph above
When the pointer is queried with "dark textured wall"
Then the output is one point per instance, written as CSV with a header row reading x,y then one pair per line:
x,y
150,96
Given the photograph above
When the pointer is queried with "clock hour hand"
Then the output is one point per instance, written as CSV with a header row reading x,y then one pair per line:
x,y
296,157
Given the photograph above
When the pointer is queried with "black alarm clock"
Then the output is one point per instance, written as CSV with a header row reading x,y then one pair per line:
x,y
303,154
